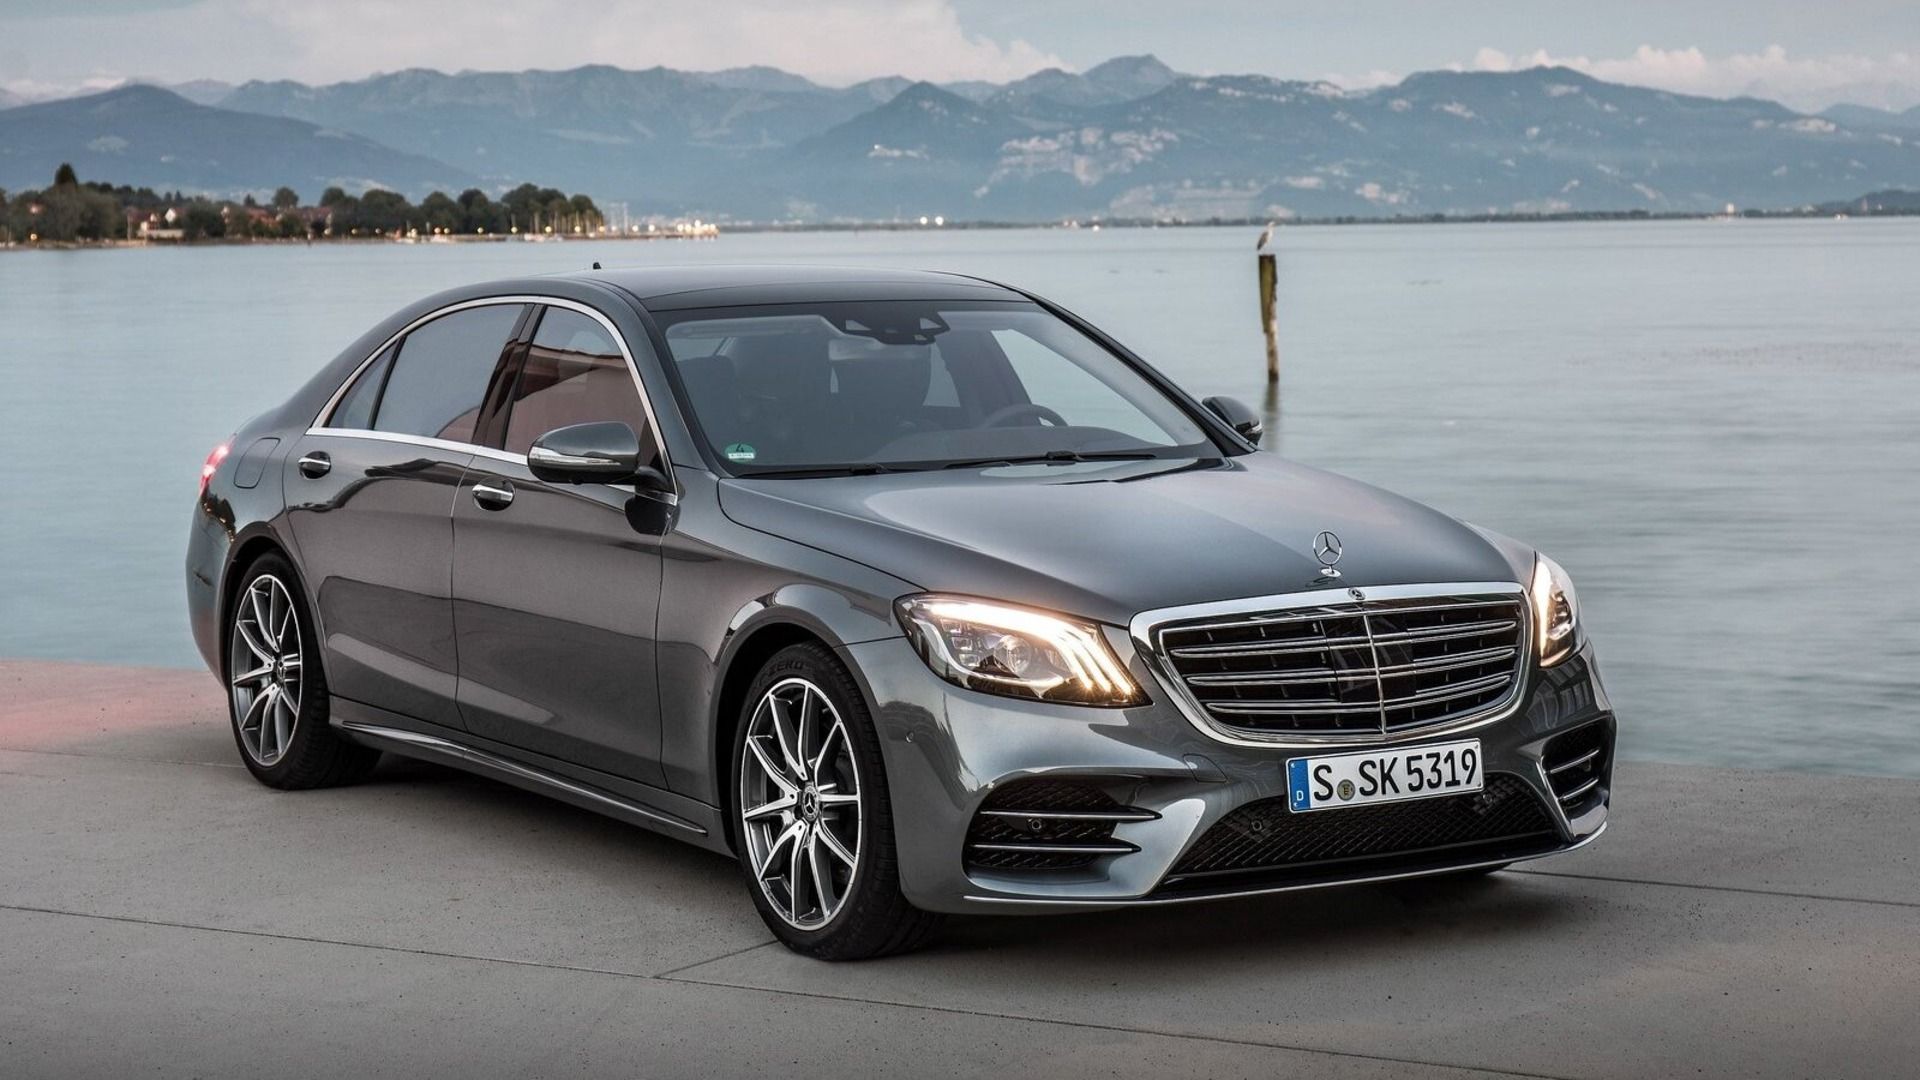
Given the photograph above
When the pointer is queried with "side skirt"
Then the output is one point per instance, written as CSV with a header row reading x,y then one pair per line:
x,y
450,748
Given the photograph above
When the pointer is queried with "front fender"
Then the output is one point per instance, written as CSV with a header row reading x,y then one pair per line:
x,y
723,586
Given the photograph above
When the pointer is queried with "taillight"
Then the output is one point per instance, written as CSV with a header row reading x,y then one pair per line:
x,y
212,464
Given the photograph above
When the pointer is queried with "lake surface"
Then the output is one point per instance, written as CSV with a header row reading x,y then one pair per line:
x,y
1712,425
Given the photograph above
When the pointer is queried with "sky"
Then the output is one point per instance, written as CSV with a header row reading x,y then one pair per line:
x,y
1808,55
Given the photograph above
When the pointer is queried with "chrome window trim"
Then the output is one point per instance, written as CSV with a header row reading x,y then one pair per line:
x,y
1144,630
319,425
671,498
448,445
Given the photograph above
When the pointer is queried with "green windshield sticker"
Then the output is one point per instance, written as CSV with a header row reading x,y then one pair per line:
x,y
740,452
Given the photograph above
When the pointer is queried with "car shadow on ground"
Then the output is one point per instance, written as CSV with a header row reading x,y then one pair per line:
x,y
1307,925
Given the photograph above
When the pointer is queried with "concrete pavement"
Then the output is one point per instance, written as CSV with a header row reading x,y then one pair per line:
x,y
160,913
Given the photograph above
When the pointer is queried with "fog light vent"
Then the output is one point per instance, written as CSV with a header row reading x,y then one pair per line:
x,y
1048,824
1576,763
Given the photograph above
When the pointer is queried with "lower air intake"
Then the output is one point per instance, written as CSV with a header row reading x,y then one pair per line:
x,y
1264,842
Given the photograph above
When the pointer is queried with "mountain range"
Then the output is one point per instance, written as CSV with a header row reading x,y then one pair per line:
x,y
1128,138
147,136
1868,118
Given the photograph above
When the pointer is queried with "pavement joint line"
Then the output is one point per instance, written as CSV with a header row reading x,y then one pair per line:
x,y
170,924
1781,893
984,1014
671,972
124,757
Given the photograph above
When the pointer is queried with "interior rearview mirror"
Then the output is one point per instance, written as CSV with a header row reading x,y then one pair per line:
x,y
1238,416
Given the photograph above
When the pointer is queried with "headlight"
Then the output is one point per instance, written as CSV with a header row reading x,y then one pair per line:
x,y
1556,611
1016,651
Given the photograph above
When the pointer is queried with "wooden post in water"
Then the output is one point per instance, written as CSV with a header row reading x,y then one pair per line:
x,y
1269,314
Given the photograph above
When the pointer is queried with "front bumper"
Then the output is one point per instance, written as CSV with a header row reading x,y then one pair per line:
x,y
948,751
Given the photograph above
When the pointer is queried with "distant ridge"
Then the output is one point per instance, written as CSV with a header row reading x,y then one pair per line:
x,y
145,135
1868,118
1129,138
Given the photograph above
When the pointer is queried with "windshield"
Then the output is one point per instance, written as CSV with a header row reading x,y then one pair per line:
x,y
797,388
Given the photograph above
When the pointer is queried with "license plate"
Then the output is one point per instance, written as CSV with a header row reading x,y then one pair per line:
x,y
1381,776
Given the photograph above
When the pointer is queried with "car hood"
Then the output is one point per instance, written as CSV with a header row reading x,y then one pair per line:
x,y
1107,540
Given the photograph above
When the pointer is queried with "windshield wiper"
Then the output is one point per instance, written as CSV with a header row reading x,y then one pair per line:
x,y
864,468
1051,456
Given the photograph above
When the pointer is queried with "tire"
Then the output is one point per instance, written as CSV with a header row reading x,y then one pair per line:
x,y
277,689
793,821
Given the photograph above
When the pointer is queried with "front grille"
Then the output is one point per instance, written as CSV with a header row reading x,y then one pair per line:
x,y
1576,763
1045,824
1267,841
1370,667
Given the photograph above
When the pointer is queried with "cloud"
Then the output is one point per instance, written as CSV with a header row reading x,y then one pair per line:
x,y
833,41
1804,82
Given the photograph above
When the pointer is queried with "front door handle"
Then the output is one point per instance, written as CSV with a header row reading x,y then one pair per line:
x,y
316,465
493,496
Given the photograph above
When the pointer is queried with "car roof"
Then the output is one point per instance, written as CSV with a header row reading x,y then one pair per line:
x,y
666,288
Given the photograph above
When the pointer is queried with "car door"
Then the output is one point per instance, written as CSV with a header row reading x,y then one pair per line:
x,y
370,495
556,587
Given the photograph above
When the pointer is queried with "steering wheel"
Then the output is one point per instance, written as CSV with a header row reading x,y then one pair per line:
x,y
1020,410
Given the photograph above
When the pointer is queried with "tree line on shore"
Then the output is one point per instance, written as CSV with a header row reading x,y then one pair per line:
x,y
72,211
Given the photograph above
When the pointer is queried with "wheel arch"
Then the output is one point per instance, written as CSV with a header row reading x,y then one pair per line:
x,y
758,634
246,550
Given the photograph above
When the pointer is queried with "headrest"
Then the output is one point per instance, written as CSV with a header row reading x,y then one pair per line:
x,y
782,367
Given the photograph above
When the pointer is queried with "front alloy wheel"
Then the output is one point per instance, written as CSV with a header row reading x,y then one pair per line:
x,y
810,813
800,793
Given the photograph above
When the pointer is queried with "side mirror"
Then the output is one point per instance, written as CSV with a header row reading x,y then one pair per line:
x,y
603,453
1238,416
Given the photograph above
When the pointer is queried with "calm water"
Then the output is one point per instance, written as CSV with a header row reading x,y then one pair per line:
x,y
1711,425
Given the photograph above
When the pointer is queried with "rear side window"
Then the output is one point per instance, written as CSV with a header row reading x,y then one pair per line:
x,y
440,376
356,408
574,373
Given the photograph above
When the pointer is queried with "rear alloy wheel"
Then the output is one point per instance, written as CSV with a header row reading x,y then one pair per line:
x,y
266,689
810,814
277,689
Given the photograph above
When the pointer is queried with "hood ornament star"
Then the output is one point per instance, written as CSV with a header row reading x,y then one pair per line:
x,y
1326,548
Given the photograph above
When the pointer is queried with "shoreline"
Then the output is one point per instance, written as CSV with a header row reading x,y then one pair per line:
x,y
1095,225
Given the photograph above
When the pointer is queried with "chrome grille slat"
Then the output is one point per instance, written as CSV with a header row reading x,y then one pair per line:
x,y
1423,698
1484,656
1380,668
1495,626
1257,649
1311,614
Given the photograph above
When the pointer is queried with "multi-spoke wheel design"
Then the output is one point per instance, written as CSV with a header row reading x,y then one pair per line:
x,y
801,814
265,659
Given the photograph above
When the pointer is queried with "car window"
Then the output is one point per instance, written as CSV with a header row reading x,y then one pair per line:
x,y
440,375
792,386
1051,378
356,407
574,373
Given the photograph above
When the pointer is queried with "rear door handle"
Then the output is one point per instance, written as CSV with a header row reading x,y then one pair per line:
x,y
493,496
316,465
